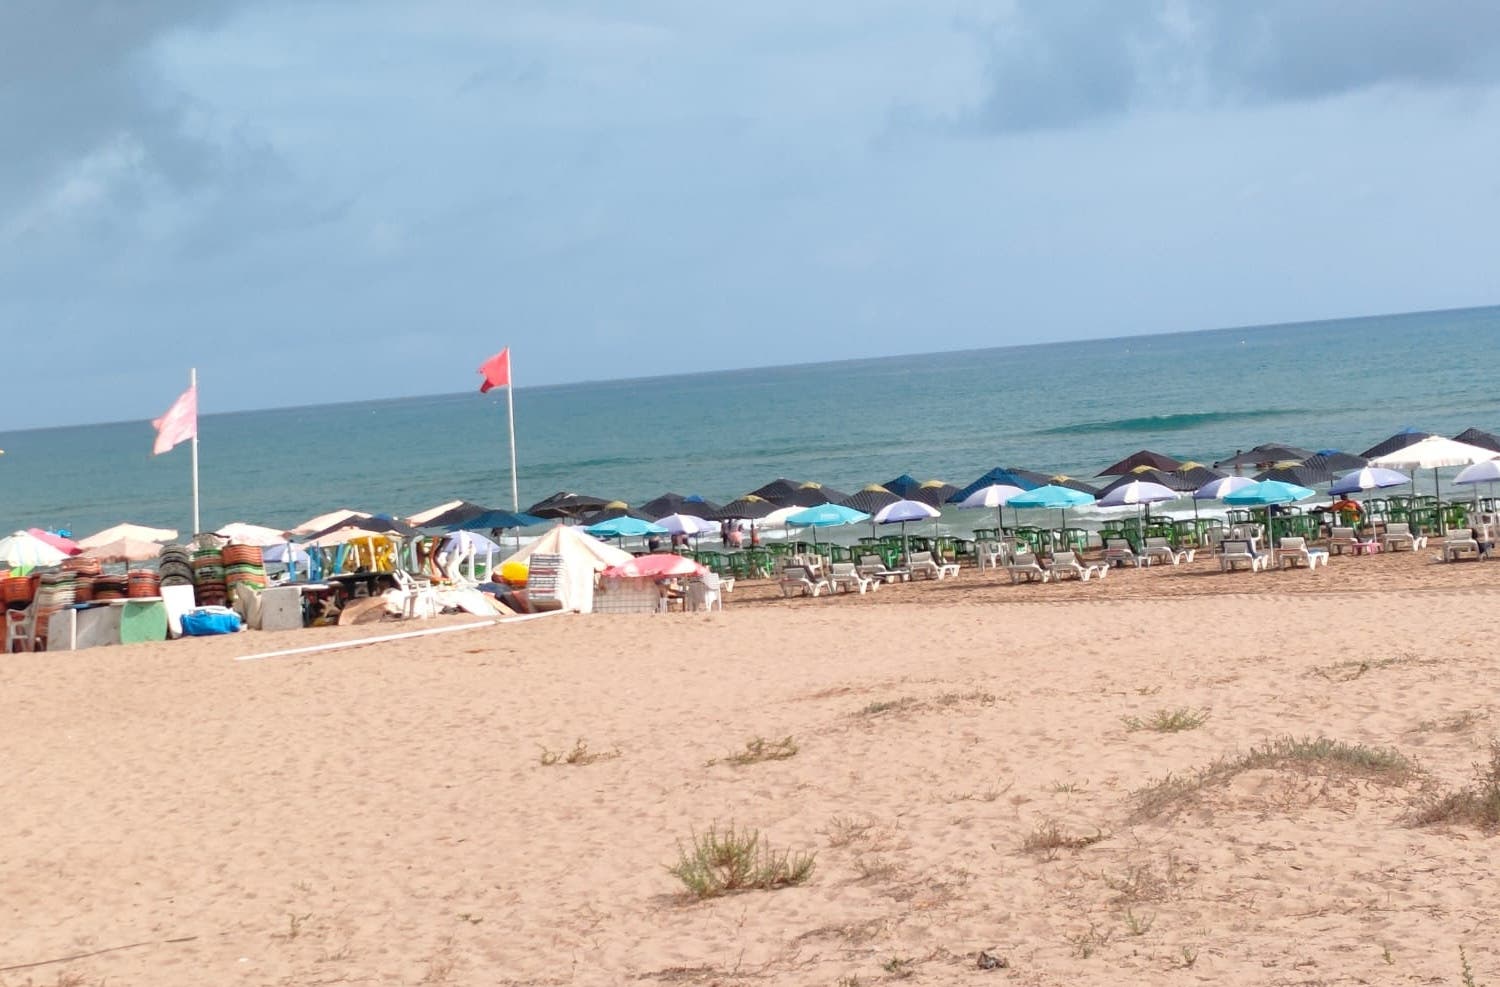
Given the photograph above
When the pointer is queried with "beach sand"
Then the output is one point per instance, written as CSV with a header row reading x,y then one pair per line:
x,y
383,815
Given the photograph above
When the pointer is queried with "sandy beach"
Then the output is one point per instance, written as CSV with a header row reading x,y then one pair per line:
x,y
976,769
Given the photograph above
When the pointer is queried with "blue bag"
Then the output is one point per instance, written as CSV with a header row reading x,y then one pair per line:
x,y
210,620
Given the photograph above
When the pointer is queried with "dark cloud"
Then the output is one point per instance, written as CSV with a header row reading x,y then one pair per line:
x,y
1053,65
76,83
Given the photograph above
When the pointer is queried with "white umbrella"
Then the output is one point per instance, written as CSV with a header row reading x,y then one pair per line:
x,y
686,524
251,534
1139,492
903,511
994,495
1434,453
24,550
133,532
123,550
1485,472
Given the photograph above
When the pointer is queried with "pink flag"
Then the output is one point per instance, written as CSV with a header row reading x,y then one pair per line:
x,y
179,424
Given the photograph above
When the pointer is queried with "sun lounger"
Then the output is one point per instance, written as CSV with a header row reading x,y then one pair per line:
x,y
1117,551
797,581
1234,552
1460,544
873,567
1066,565
922,564
1341,540
846,576
1026,567
1399,538
1293,552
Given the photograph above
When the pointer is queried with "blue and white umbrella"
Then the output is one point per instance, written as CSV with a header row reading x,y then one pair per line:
x,y
1485,472
1139,492
903,511
995,495
686,524
1369,478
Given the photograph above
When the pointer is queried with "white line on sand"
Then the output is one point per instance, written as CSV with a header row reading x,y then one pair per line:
x,y
357,642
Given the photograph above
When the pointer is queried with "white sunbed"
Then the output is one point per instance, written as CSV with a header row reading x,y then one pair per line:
x,y
1293,552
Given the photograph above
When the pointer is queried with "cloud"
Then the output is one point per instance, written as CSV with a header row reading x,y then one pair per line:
x,y
1058,65
91,120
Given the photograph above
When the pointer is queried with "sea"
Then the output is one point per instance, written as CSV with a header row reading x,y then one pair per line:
x,y
1058,408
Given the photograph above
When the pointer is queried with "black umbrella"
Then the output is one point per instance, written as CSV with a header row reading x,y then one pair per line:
x,y
457,514
377,525
749,508
566,504
1296,473
1337,463
1190,476
870,499
933,493
1266,454
1479,437
610,511
1072,483
789,493
1144,457
671,503
1145,473
1400,440
496,519
902,486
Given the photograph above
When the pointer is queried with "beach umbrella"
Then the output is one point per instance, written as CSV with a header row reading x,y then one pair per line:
x,y
999,476
1145,457
134,532
658,566
452,512
24,550
1072,483
748,508
685,524
1053,495
251,534
123,550
995,495
1368,478
469,544
1190,476
902,486
1407,436
1265,454
493,520
327,522
1294,472
903,511
1479,437
824,516
671,503
285,554
1218,488
610,511
1485,472
1141,493
1433,452
565,505
57,539
1337,463
378,524
624,527
871,498
812,494
933,493
1267,493
1141,474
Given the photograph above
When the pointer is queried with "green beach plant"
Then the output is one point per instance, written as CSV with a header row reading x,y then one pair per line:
x,y
720,861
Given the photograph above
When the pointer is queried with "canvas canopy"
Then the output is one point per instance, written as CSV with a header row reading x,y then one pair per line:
x,y
582,556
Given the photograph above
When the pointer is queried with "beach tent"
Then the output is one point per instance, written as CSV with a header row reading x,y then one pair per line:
x,y
582,556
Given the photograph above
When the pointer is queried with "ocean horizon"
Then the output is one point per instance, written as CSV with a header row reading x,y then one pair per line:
x,y
1056,407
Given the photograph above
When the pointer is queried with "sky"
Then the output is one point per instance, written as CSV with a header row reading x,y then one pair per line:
x,y
329,200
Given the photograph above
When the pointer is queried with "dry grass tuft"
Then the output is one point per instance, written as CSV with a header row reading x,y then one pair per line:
x,y
844,830
579,755
1475,805
719,862
1173,792
1048,838
759,749
1168,720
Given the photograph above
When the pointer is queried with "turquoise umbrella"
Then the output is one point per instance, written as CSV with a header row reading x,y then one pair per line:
x,y
1052,495
624,527
825,516
1264,494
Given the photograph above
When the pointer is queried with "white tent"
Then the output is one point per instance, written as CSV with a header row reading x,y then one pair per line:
x,y
582,556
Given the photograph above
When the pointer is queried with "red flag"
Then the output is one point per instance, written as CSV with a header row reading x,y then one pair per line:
x,y
496,371
179,424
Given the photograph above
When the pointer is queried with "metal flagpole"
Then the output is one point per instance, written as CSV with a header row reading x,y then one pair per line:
x,y
510,410
193,386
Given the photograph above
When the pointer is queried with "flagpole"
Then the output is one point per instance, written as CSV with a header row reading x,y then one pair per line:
x,y
510,411
193,386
